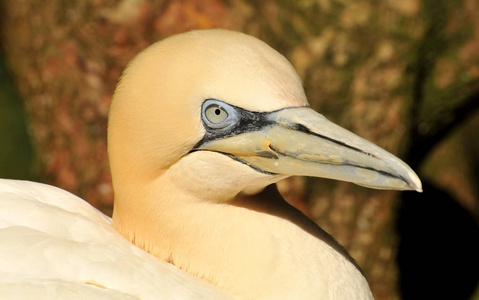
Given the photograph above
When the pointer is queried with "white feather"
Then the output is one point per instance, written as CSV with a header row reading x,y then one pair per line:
x,y
54,245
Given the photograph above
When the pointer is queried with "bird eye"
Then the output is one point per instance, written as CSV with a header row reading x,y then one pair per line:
x,y
217,114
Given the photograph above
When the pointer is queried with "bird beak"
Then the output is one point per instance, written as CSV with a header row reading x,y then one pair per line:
x,y
300,141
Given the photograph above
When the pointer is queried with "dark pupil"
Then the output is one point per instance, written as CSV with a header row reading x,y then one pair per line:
x,y
217,111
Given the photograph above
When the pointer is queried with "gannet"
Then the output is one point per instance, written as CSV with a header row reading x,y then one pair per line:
x,y
201,124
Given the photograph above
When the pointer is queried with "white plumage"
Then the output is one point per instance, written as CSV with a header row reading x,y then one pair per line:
x,y
199,125
54,245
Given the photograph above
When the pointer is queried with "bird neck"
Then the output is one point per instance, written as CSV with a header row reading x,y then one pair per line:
x,y
251,246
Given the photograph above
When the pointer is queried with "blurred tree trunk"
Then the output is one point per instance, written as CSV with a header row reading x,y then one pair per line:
x,y
387,70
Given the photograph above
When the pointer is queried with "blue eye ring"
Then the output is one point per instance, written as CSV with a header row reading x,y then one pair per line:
x,y
218,114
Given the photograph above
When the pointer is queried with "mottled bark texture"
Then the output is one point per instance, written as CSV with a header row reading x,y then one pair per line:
x,y
399,73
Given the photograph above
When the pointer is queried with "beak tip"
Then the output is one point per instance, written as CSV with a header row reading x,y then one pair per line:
x,y
415,182
418,189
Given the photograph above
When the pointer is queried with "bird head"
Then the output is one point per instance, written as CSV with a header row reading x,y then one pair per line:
x,y
225,113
